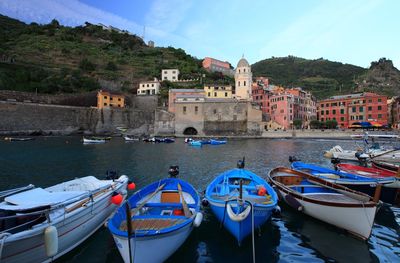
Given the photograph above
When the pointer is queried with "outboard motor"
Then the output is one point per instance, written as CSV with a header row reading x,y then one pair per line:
x,y
293,159
111,175
173,171
240,164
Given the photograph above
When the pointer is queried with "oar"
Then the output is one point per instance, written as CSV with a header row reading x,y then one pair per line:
x,y
184,204
134,211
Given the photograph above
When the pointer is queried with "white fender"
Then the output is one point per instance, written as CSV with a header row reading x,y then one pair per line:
x,y
197,220
240,217
51,241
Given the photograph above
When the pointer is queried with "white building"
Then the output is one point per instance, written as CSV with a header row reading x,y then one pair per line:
x,y
243,80
149,88
170,74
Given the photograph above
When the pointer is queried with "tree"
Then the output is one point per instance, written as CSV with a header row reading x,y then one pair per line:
x,y
331,124
315,124
87,65
297,123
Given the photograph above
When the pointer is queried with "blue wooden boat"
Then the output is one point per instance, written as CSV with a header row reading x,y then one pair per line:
x,y
195,143
205,141
217,142
356,182
162,216
241,201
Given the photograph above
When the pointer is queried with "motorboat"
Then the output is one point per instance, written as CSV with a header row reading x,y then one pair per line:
x,y
93,140
128,138
42,224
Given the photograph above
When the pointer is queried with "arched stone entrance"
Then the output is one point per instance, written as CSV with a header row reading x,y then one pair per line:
x,y
190,131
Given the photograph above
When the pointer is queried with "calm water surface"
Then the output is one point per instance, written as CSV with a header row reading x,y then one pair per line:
x,y
291,237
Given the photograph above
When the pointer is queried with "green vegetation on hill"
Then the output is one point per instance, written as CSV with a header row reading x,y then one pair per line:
x,y
322,77
53,58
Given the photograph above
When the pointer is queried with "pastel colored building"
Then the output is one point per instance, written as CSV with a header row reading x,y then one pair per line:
x,y
243,80
282,109
149,88
305,106
395,112
170,74
260,94
215,65
347,109
174,93
106,99
218,91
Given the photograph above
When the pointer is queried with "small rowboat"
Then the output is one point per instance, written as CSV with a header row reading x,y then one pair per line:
x,y
42,224
241,201
161,217
356,182
387,166
130,139
328,202
18,139
92,140
364,171
217,142
195,143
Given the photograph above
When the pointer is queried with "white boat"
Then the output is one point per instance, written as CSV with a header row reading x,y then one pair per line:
x,y
42,224
326,201
163,215
93,140
130,139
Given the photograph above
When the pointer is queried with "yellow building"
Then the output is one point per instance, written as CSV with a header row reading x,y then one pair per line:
x,y
220,92
106,99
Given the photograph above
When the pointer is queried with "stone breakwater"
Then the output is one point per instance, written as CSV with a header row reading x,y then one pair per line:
x,y
44,119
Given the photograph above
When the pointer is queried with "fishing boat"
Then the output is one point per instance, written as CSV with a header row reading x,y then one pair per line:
x,y
329,202
217,142
42,224
167,140
161,217
18,139
195,143
356,182
365,171
241,201
128,138
387,166
93,140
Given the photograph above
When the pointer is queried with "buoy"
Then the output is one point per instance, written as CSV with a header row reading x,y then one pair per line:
x,y
51,241
131,185
178,212
262,191
293,202
204,202
198,219
116,198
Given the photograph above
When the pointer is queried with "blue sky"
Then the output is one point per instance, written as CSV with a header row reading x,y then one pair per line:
x,y
355,32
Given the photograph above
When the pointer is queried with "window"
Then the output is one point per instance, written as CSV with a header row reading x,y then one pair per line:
x,y
147,85
360,117
105,97
369,116
326,112
379,100
322,119
369,108
165,72
173,72
165,77
152,85
105,104
119,99
353,109
341,118
322,105
322,112
244,83
196,109
226,94
239,70
341,111
184,109
209,94
361,109
379,116
238,83
379,107
369,100
173,77
215,111
327,105
244,70
215,94
333,111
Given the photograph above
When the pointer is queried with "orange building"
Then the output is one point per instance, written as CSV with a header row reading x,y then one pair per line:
x,y
106,99
360,107
215,65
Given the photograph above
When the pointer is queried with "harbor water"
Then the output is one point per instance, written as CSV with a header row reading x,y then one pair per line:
x,y
290,237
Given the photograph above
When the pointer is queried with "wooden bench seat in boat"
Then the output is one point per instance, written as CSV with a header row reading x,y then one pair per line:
x,y
151,224
253,199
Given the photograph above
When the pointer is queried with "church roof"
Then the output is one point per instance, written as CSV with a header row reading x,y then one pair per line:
x,y
243,63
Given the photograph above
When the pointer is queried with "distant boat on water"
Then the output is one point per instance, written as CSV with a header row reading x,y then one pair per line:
x,y
93,140
18,139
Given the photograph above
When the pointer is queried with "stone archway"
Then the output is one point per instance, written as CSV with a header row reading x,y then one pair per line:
x,y
190,131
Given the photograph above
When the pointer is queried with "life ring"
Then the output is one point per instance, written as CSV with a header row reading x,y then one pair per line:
x,y
237,217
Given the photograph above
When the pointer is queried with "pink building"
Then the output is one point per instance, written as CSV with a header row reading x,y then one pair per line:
x,y
282,109
215,65
260,95
174,93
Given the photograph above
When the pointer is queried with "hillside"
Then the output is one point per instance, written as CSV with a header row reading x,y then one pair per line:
x,y
57,59
322,77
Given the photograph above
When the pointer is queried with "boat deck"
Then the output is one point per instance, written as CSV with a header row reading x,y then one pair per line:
x,y
150,224
255,199
332,197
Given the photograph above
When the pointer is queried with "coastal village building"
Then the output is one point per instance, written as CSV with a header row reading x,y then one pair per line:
x,y
394,112
348,109
218,91
170,74
149,88
243,80
215,65
106,99
174,93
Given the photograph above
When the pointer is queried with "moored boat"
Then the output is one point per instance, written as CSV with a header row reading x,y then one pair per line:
x,y
92,140
42,224
162,215
195,143
241,201
128,138
217,142
356,182
18,139
365,171
326,201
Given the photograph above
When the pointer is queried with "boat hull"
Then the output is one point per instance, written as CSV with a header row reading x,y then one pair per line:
x,y
150,249
356,220
242,229
72,231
